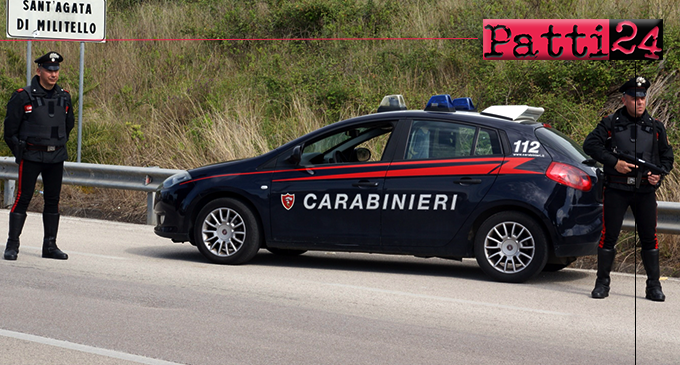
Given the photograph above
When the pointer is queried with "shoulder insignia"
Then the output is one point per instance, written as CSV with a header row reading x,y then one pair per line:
x,y
20,90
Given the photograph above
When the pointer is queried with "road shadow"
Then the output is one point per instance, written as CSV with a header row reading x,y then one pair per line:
x,y
565,275
175,252
370,263
373,263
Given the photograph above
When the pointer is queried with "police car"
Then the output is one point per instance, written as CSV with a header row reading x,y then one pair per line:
x,y
447,181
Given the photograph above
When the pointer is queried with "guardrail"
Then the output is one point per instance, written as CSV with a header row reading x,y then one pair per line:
x,y
668,218
95,175
148,178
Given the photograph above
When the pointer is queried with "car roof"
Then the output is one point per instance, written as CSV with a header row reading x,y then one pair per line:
x,y
502,117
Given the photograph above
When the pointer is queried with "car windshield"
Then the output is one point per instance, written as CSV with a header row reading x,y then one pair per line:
x,y
557,140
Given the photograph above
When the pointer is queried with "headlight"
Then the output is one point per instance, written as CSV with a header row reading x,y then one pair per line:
x,y
176,179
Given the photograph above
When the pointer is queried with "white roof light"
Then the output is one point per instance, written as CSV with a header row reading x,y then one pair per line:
x,y
517,113
392,102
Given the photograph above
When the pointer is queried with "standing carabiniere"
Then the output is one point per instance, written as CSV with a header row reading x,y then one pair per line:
x,y
630,131
37,126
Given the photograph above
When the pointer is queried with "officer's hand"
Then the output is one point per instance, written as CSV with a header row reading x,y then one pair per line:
x,y
653,179
624,167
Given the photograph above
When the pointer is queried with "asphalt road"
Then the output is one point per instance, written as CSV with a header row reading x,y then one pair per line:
x,y
126,296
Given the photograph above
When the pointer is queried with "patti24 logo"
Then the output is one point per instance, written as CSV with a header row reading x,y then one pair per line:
x,y
573,39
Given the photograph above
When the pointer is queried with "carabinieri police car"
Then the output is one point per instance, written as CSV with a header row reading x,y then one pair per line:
x,y
447,182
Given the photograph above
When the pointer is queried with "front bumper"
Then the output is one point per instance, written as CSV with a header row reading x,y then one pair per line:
x,y
169,222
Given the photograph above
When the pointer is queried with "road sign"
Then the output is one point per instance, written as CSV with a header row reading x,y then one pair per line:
x,y
75,20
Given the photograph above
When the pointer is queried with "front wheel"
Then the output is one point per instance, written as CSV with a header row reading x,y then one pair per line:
x,y
227,232
511,247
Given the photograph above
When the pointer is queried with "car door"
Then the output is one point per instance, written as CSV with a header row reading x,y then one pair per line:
x,y
332,196
446,170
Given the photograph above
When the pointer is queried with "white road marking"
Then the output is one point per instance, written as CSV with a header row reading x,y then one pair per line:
x,y
446,299
84,348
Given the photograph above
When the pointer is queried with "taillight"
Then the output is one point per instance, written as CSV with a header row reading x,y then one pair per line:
x,y
569,175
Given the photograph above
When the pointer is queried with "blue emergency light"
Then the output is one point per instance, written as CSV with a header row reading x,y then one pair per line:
x,y
444,103
392,102
463,104
440,103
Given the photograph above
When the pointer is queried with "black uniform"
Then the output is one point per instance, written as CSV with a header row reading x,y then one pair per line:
x,y
37,126
40,147
645,138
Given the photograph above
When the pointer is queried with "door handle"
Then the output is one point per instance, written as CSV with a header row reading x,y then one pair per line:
x,y
467,181
366,184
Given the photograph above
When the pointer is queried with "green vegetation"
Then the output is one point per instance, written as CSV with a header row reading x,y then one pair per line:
x,y
184,103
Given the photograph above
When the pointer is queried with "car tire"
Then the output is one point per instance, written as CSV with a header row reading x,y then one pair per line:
x,y
227,232
285,251
511,247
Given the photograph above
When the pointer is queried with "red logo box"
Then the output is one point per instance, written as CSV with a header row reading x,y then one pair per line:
x,y
573,39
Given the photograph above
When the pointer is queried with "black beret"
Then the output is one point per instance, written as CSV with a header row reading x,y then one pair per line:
x,y
49,61
637,86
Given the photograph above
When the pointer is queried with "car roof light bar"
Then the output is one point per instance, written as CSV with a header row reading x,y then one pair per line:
x,y
392,102
516,113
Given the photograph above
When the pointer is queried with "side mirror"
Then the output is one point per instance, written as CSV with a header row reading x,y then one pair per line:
x,y
296,156
361,154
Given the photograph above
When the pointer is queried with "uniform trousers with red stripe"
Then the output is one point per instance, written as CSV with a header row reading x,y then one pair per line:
x,y
643,207
52,174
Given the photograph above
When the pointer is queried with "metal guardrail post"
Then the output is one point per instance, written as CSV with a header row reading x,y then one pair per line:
x,y
150,217
9,188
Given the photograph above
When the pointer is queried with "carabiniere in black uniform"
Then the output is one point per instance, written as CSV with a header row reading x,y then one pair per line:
x,y
37,126
645,138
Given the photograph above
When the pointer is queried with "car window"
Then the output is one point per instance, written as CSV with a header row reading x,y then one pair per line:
x,y
434,139
487,143
354,144
555,139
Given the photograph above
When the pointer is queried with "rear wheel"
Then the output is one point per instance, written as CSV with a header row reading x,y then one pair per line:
x,y
511,247
227,232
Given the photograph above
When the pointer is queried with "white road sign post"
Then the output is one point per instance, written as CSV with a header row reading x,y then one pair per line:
x,y
70,20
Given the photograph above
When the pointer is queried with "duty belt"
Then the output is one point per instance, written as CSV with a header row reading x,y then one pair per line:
x,y
627,180
35,147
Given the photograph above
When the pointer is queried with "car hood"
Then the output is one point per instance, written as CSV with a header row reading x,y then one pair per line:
x,y
242,165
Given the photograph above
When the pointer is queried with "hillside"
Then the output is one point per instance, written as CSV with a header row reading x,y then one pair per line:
x,y
185,99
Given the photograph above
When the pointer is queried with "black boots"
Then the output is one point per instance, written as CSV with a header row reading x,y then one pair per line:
x,y
16,224
50,249
605,259
51,225
650,259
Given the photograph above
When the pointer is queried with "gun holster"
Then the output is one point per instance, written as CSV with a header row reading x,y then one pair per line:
x,y
19,153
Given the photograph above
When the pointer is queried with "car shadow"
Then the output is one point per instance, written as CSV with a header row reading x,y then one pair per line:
x,y
373,263
370,263
565,275
177,252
